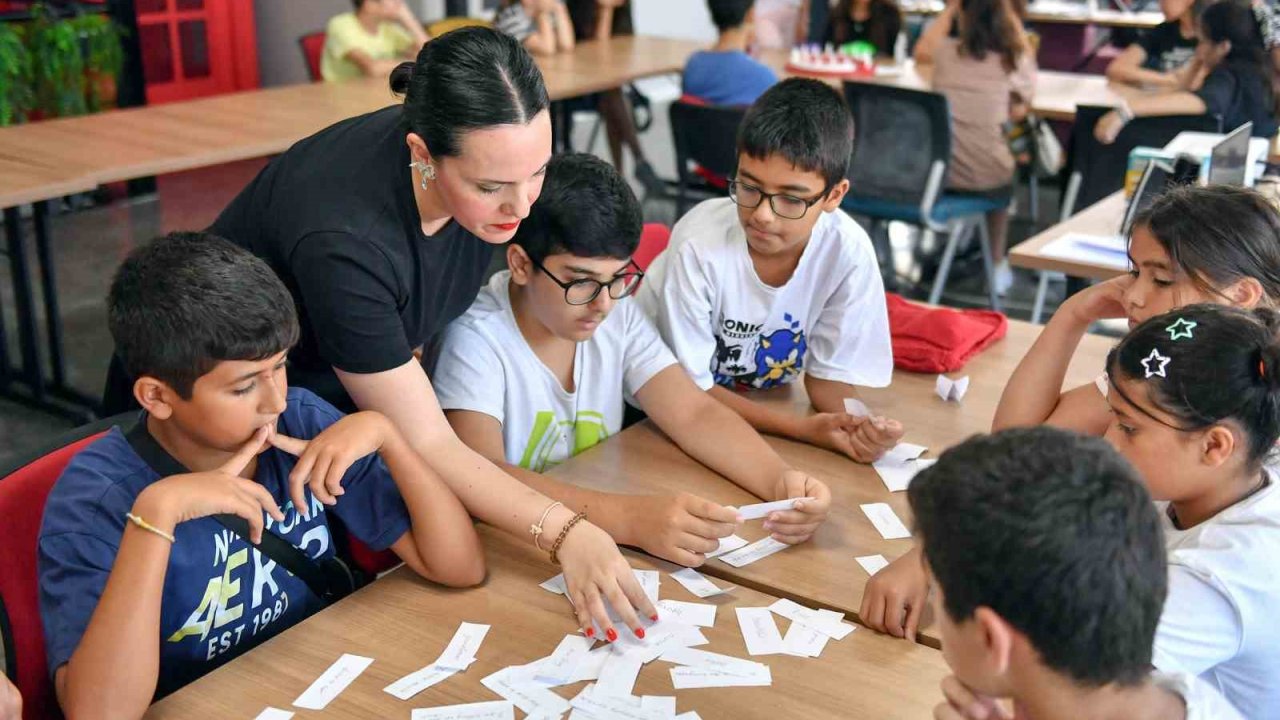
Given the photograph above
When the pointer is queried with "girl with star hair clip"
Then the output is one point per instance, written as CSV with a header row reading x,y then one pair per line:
x,y
1195,405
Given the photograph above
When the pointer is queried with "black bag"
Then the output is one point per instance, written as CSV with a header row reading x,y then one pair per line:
x,y
330,579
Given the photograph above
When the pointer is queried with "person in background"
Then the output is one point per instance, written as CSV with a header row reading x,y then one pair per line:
x,y
10,700
726,74
984,64
1156,59
542,26
875,22
781,23
370,41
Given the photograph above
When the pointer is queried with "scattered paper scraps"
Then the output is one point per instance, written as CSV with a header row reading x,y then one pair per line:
x,y
872,563
757,550
494,710
828,622
856,408
274,714
953,390
334,680
698,584
886,521
759,632
727,544
699,614
761,510
899,466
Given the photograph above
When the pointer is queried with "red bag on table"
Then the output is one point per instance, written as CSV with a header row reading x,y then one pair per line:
x,y
938,340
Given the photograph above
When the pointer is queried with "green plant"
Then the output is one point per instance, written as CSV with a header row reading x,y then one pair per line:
x,y
16,75
59,64
103,53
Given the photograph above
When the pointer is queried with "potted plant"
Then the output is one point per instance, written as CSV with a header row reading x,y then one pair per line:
x,y
58,64
103,58
16,75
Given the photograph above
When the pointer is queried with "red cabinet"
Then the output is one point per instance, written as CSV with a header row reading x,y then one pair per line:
x,y
195,48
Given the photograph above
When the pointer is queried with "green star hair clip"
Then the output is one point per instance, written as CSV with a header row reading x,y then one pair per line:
x,y
1181,328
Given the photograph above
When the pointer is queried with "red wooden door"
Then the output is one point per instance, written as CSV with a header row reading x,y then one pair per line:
x,y
195,48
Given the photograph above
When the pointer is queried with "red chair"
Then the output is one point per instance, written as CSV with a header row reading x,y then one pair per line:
x,y
312,47
24,486
653,240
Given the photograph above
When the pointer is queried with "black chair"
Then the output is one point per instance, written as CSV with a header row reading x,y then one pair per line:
x,y
901,150
708,136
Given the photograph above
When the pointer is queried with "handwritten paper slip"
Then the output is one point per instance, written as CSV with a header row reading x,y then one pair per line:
x,y
727,545
691,657
413,683
761,510
556,585
691,715
495,710
872,563
563,663
664,705
618,676
593,704
952,390
274,714
758,550
699,614
883,517
828,622
334,680
516,685
899,466
697,583
687,678
759,632
463,647
649,580
856,408
804,641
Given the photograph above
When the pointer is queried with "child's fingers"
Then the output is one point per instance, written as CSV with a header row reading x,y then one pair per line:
x,y
794,536
333,478
263,498
316,479
291,445
872,611
243,456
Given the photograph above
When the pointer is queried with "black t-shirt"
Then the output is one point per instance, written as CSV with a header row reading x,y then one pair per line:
x,y
1239,93
583,14
335,218
1166,49
880,30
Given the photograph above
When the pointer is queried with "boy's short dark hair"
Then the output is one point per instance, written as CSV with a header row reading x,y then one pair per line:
x,y
585,209
184,302
807,122
729,14
1054,532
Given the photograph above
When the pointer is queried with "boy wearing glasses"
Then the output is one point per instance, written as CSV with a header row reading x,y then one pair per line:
x,y
775,281
537,370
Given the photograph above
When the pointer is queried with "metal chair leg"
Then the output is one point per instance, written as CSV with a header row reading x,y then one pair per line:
x,y
1042,290
988,262
955,233
1033,187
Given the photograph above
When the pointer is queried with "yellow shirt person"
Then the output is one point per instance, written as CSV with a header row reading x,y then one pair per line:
x,y
370,41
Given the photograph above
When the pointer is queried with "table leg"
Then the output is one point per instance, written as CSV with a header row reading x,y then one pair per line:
x,y
23,301
52,314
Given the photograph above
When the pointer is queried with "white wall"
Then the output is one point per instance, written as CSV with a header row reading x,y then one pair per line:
x,y
687,19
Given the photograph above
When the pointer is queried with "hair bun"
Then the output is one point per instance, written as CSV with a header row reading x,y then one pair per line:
x,y
1268,364
401,76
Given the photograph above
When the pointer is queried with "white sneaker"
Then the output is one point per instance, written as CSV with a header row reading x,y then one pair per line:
x,y
1003,278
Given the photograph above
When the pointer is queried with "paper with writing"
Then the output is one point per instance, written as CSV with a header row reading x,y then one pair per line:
x,y
685,678
759,631
697,583
886,521
872,563
562,664
332,682
758,550
700,614
463,647
494,710
727,545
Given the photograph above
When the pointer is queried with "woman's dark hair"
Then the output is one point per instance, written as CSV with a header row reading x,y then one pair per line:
x,y
884,21
1218,235
991,26
1219,364
468,79
1235,21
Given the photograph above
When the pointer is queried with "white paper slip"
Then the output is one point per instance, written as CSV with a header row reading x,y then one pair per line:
x,y
657,643
274,714
759,510
759,631
758,550
604,707
696,583
494,710
687,678
886,521
618,676
691,715
804,641
828,622
556,585
649,580
589,668
856,408
512,684
665,705
563,663
727,544
952,390
334,680
1090,249
714,661
463,647
872,563
414,683
899,466
700,614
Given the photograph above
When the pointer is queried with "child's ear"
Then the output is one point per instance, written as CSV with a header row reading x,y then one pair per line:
x,y
1217,446
155,396
1245,293
998,640
520,264
835,196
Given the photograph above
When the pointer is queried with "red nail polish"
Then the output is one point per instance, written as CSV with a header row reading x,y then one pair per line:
x,y
654,617
639,633
611,634
591,632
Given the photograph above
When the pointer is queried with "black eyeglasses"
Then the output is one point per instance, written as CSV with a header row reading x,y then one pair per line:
x,y
782,204
584,290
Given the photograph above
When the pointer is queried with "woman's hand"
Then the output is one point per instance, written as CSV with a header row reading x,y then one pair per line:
x,y
595,573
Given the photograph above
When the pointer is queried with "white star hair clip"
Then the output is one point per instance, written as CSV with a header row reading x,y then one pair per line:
x,y
1157,361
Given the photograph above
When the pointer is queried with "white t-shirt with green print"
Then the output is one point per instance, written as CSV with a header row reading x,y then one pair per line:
x,y
486,366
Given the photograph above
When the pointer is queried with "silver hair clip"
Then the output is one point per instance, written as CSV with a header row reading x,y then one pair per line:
x,y
1156,360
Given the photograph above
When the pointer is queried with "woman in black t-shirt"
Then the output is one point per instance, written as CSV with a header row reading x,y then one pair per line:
x,y
382,227
876,22
1157,58
1238,78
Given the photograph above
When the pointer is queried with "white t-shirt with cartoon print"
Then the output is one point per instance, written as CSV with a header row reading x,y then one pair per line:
x,y
487,366
1220,620
727,327
1202,701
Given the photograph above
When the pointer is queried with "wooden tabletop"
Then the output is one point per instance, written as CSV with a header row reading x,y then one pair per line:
x,y
83,152
823,571
1058,14
1101,218
404,623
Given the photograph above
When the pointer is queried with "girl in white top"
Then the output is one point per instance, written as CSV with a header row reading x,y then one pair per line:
x,y
1195,403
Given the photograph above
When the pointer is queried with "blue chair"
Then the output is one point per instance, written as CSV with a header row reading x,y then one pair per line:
x,y
902,146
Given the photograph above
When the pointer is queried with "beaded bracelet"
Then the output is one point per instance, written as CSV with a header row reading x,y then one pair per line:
x,y
536,529
136,520
555,547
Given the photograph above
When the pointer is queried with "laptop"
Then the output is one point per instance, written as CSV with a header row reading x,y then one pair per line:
x,y
1154,181
1229,161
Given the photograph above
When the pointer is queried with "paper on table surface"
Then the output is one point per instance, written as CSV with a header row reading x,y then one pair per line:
x,y
274,714
599,706
760,510
415,682
727,544
872,563
493,710
697,583
665,704
898,467
886,521
685,678
759,632
618,676
856,408
700,614
714,661
758,550
1083,248
804,640
691,715
949,389
649,580
514,685
828,622
562,664
556,585
332,682
463,647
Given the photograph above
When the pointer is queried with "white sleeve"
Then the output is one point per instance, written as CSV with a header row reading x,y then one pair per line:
x,y
1200,626
850,342
468,374
646,354
682,311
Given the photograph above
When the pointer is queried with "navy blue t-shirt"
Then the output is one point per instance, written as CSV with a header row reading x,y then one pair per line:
x,y
221,596
726,78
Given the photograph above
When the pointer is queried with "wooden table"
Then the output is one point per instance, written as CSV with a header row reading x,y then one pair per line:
x,y
823,571
1059,14
403,623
